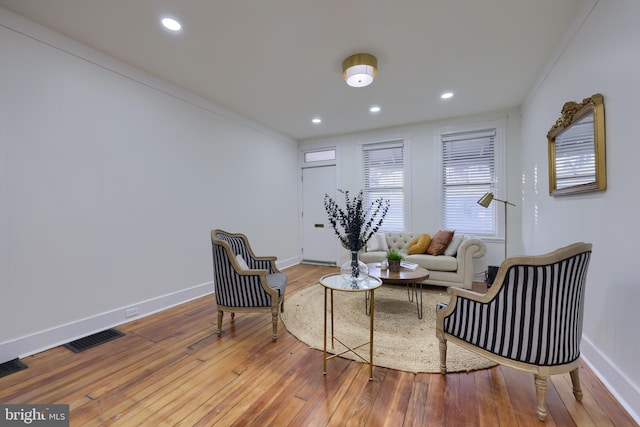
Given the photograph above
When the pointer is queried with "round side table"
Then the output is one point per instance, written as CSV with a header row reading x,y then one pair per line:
x,y
335,282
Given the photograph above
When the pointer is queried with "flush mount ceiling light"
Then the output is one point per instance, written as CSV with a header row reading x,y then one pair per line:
x,y
360,69
171,24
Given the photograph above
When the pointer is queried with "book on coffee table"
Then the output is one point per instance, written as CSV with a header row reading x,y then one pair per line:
x,y
408,265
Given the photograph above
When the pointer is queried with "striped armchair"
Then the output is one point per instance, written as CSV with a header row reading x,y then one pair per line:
x,y
244,282
530,319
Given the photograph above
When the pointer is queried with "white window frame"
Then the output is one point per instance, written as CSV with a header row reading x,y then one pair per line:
x,y
390,141
306,150
499,184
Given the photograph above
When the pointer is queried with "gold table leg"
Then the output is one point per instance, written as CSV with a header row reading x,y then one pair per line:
x,y
371,335
324,369
333,343
348,348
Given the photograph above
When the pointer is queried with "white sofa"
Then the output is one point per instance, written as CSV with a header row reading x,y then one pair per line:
x,y
445,270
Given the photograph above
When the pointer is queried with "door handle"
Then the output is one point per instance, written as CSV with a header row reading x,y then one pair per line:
x,y
319,225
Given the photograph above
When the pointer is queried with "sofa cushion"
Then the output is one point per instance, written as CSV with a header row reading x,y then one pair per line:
x,y
277,281
439,242
434,263
419,245
375,256
378,242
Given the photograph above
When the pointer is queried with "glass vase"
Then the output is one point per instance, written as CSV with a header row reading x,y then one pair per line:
x,y
354,270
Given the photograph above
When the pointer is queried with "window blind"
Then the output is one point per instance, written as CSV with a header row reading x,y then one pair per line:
x,y
384,178
468,172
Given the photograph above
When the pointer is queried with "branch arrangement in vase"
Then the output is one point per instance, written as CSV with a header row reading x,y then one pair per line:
x,y
355,225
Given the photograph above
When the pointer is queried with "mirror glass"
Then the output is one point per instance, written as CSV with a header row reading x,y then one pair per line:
x,y
575,154
576,149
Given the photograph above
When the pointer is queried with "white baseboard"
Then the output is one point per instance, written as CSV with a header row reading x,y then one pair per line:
x,y
289,262
53,337
625,392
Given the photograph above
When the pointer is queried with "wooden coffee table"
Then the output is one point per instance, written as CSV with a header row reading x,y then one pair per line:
x,y
412,278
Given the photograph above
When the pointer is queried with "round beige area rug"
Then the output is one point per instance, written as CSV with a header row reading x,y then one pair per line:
x,y
401,341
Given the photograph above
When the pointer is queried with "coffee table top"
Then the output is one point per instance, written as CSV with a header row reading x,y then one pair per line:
x,y
337,282
398,277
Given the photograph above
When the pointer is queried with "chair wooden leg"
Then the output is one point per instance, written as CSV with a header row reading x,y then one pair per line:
x,y
443,356
220,315
541,394
274,322
575,380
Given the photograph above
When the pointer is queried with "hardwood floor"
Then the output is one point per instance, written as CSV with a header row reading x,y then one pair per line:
x,y
172,369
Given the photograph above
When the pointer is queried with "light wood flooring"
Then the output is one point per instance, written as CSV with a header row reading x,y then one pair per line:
x,y
172,369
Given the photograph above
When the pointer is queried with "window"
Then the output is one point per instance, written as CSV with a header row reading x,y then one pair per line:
x,y
469,170
320,156
384,177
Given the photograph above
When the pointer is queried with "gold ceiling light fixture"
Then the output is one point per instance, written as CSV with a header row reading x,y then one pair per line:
x,y
360,69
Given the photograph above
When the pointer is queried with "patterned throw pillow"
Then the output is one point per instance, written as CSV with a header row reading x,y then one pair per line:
x,y
439,242
419,245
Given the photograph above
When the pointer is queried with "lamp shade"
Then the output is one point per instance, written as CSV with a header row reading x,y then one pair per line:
x,y
485,200
360,69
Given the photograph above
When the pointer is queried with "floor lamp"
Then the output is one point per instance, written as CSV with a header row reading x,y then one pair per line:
x,y
485,201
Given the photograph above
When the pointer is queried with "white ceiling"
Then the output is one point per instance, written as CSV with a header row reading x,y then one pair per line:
x,y
279,62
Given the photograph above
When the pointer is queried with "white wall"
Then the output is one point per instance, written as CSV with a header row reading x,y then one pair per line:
x,y
602,57
423,152
110,182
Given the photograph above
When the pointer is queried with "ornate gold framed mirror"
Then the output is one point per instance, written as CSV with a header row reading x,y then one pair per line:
x,y
577,148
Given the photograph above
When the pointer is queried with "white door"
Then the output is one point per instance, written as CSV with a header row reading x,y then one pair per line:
x,y
319,243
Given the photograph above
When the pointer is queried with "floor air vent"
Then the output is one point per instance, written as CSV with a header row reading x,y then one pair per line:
x,y
93,340
10,367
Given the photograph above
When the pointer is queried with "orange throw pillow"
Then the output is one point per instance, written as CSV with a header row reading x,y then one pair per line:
x,y
419,245
439,242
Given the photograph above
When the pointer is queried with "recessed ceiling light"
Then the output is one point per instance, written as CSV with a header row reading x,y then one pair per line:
x,y
375,109
316,120
446,95
171,24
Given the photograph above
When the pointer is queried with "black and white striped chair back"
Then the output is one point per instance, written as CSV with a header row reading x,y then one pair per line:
x,y
536,316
